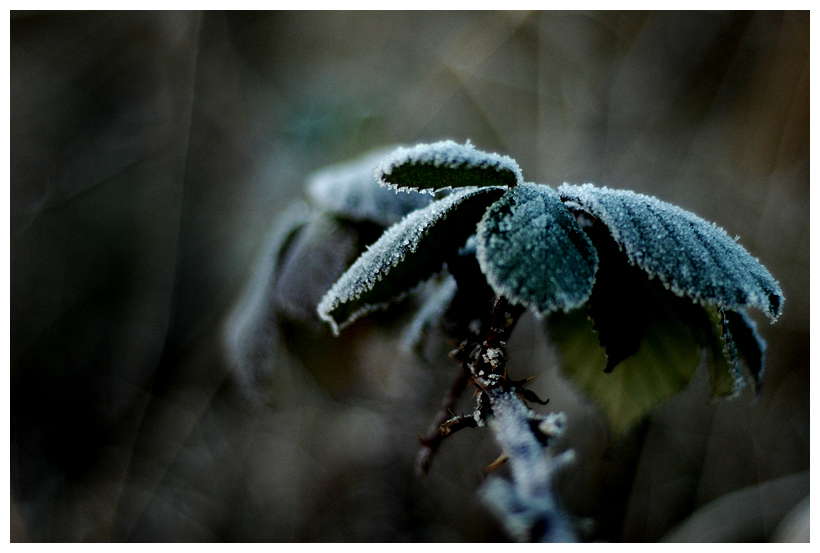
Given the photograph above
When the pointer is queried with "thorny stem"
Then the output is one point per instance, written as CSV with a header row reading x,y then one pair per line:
x,y
527,505
496,331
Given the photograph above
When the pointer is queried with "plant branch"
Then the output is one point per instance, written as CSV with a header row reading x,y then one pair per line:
x,y
527,505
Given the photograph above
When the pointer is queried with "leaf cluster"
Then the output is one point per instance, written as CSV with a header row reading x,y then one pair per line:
x,y
630,285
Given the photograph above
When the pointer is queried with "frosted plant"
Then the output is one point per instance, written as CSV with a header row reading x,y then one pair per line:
x,y
633,292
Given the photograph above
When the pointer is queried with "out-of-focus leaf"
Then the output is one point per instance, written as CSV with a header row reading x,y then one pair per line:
x,y
533,252
321,253
446,165
350,190
435,304
664,362
691,256
408,253
251,330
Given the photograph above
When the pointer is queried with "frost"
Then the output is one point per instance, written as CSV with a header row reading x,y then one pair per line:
x,y
444,165
691,256
534,253
744,343
351,191
440,296
387,271
527,506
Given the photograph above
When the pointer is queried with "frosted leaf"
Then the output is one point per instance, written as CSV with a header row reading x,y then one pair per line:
x,y
446,165
533,252
742,344
251,333
351,191
435,304
724,363
408,253
690,256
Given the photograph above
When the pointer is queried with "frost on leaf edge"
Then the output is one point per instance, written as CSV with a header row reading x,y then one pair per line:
x,y
570,194
443,153
335,297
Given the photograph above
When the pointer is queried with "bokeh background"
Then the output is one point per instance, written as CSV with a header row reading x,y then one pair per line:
x,y
150,156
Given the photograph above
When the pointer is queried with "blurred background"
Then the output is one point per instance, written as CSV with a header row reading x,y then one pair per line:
x,y
150,156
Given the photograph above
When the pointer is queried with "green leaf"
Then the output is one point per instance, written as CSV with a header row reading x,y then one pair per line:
x,y
534,253
663,364
408,253
350,190
446,165
691,256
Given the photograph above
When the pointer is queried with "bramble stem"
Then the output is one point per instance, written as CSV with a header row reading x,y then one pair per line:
x,y
527,505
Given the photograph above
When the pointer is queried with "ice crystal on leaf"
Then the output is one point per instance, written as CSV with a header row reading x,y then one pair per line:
x,y
689,255
446,165
534,253
351,191
408,253
437,300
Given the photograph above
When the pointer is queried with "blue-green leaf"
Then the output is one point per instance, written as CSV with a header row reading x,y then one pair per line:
x,y
534,253
690,256
350,190
446,165
408,253
740,344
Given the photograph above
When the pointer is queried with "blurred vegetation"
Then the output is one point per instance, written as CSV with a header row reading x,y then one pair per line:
x,y
150,156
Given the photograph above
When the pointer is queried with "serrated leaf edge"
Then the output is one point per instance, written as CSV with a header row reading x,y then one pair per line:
x,y
755,300
332,298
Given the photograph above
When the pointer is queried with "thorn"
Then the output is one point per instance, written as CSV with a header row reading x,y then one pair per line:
x,y
529,395
497,463
477,391
531,378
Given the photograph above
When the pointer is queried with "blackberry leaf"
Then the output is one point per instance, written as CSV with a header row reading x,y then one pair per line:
x,y
408,253
534,253
441,165
690,256
349,190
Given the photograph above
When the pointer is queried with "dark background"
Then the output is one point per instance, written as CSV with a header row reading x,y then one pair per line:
x,y
150,155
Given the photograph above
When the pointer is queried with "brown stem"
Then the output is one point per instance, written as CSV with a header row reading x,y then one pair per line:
x,y
432,440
